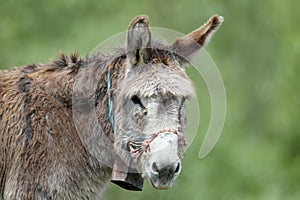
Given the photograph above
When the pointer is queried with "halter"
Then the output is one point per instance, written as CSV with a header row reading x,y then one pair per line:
x,y
148,142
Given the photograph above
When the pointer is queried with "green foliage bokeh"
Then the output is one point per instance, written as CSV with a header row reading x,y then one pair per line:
x,y
257,51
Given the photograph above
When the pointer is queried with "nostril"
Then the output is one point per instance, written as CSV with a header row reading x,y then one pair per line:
x,y
154,167
177,168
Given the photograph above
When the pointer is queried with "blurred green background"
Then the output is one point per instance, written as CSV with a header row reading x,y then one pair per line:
x,y
257,51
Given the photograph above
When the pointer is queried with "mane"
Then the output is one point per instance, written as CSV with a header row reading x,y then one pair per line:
x,y
64,60
160,53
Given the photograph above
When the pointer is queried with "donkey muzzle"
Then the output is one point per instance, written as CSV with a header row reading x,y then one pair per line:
x,y
163,178
164,164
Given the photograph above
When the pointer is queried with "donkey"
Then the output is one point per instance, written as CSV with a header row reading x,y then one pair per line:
x,y
138,103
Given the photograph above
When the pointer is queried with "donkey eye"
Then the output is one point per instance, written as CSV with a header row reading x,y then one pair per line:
x,y
136,100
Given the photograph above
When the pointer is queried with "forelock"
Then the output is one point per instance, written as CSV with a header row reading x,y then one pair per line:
x,y
157,79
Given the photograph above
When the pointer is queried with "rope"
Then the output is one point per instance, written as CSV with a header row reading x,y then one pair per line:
x,y
147,147
110,103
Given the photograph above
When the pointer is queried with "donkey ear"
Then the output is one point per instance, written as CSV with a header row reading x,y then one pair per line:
x,y
189,44
138,40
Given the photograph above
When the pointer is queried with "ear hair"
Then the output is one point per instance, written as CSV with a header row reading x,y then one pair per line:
x,y
189,44
138,40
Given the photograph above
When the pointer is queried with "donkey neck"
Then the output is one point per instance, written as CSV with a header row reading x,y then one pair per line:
x,y
58,79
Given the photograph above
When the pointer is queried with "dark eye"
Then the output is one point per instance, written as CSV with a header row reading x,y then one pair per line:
x,y
136,100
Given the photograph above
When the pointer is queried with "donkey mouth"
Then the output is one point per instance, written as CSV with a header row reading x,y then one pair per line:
x,y
160,185
163,178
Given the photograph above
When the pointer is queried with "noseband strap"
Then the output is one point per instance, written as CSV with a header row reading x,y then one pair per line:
x,y
148,142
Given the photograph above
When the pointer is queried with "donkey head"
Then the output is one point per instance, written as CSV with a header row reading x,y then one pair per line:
x,y
150,114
